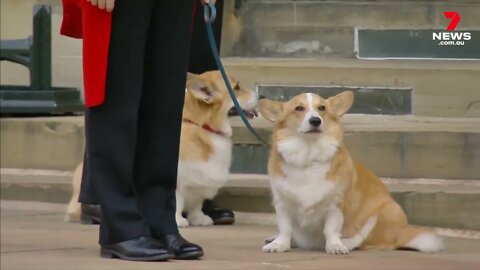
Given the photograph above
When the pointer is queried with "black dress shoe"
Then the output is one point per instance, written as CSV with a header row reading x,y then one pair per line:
x,y
181,248
218,215
91,214
138,249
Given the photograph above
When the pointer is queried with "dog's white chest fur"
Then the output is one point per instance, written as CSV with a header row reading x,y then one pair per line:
x,y
305,192
305,189
212,173
200,180
305,170
303,152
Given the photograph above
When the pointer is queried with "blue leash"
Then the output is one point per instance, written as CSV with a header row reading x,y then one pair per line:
x,y
210,13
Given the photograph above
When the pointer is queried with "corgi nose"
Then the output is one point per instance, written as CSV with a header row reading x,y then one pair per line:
x,y
261,97
315,121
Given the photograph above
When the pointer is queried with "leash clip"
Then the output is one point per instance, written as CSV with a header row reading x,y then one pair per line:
x,y
210,12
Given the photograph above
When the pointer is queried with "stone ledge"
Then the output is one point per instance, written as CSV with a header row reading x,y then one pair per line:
x,y
398,146
429,202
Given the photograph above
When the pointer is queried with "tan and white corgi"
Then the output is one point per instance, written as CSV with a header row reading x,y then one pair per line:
x,y
205,145
323,199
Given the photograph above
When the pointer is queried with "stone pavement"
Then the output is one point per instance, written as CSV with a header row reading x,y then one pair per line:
x,y
34,236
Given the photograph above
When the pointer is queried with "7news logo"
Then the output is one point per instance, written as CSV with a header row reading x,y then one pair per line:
x,y
452,37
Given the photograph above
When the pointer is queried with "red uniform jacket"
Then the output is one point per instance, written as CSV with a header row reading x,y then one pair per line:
x,y
82,20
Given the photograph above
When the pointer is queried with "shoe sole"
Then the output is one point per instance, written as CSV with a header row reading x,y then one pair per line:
x,y
111,254
224,221
190,256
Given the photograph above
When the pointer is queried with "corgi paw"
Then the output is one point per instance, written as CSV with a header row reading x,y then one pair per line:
x,y
200,220
269,239
336,247
276,246
182,222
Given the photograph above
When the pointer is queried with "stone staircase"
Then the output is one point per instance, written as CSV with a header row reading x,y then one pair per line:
x,y
313,43
420,115
319,28
392,146
429,202
402,146
429,164
416,121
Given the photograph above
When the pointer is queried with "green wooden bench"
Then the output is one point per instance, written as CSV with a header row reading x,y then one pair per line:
x,y
35,53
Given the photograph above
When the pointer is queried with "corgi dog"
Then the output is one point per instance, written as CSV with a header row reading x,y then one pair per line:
x,y
205,146
323,199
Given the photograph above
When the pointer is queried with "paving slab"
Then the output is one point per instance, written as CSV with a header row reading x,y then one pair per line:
x,y
33,236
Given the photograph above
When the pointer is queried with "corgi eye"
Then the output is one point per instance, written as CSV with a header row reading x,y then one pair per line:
x,y
321,108
237,87
299,108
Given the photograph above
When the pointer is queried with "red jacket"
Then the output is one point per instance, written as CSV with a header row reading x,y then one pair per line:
x,y
82,20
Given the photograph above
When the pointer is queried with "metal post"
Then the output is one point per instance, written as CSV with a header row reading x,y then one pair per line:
x,y
41,50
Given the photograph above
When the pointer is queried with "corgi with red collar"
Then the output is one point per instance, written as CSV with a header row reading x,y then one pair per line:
x,y
205,146
323,199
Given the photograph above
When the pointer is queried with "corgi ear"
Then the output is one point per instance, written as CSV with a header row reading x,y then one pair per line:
x,y
270,109
201,89
341,103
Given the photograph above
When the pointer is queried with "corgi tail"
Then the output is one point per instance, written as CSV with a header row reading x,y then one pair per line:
x,y
419,239
74,207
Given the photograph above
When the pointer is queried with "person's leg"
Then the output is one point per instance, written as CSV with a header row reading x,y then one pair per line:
x,y
87,195
112,129
201,58
159,123
90,212
160,114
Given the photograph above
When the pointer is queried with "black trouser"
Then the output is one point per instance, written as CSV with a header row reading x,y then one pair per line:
x,y
133,138
200,60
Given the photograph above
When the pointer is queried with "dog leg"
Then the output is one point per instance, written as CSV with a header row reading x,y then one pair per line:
x,y
357,240
74,209
195,215
332,231
181,221
282,242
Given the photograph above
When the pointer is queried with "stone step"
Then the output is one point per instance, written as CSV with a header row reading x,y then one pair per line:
x,y
441,88
427,44
397,146
51,186
392,146
304,28
366,13
368,100
55,143
428,202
